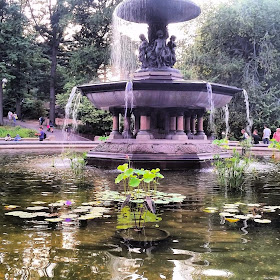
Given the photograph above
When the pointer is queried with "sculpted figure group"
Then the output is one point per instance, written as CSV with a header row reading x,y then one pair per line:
x,y
157,54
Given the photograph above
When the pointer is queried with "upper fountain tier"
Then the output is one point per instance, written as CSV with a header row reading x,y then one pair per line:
x,y
157,11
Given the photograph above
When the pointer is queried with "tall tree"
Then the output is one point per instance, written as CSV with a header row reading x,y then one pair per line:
x,y
51,22
17,52
239,44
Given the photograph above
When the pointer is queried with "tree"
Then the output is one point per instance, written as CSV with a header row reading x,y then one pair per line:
x,y
51,22
18,55
239,45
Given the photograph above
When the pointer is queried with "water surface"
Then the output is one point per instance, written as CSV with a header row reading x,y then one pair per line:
x,y
199,246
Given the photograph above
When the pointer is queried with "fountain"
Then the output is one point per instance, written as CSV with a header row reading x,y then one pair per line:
x,y
168,110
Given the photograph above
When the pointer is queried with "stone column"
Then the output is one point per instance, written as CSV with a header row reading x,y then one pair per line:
x,y
137,122
115,133
145,125
193,117
172,124
188,124
127,134
180,134
200,132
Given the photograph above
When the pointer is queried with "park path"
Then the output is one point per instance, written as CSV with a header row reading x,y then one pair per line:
x,y
58,134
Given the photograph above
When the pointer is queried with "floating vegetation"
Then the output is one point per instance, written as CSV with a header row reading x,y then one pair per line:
x,y
254,212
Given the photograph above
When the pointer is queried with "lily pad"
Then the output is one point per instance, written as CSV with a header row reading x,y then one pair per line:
x,y
36,208
262,221
232,220
54,220
226,214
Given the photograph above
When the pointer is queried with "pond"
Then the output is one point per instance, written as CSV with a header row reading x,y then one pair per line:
x,y
201,245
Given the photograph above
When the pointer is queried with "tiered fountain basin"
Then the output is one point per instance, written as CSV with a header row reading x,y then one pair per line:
x,y
168,113
159,92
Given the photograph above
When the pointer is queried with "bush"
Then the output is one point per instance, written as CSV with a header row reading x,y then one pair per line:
x,y
13,131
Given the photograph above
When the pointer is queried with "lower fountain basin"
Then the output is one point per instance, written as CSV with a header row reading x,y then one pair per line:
x,y
159,94
163,154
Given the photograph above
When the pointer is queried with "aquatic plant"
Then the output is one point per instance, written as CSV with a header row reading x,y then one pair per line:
x,y
246,145
231,171
77,161
139,185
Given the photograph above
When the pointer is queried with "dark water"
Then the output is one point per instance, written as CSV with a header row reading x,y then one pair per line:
x,y
199,246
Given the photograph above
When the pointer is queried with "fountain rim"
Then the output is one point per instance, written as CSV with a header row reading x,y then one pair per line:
x,y
149,14
177,85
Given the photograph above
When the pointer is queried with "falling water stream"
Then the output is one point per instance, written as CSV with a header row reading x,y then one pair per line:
x,y
249,119
211,107
71,110
226,120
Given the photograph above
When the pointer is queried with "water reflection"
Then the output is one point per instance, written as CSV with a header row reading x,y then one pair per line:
x,y
200,245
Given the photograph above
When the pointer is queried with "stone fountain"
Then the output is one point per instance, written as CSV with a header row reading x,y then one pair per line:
x,y
167,111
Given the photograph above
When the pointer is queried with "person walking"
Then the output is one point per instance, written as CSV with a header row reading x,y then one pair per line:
x,y
15,117
41,134
266,134
41,120
276,135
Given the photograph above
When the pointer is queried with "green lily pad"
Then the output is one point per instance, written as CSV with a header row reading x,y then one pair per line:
x,y
54,220
36,208
262,221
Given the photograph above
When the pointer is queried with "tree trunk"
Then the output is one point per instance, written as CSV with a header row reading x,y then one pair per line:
x,y
1,104
18,107
52,82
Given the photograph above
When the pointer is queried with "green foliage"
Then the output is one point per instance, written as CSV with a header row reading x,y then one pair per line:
x,y
231,171
137,182
221,143
103,138
13,131
274,144
246,145
238,44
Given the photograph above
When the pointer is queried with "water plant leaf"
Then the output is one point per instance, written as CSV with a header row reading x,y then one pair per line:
x,y
38,202
36,208
150,204
226,214
128,172
123,167
210,210
54,220
10,207
126,202
232,220
119,178
262,221
134,182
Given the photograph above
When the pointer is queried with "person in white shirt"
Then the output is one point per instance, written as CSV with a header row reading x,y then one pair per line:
x,y
266,134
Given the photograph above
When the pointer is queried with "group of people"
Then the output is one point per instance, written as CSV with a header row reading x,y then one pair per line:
x,y
9,138
265,136
12,117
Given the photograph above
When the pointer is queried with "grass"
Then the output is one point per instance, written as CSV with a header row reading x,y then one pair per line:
x,y
13,131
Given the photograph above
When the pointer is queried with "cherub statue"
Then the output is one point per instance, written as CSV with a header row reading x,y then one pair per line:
x,y
171,44
143,51
159,48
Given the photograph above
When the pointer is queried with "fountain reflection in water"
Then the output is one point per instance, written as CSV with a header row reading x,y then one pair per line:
x,y
249,119
71,111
